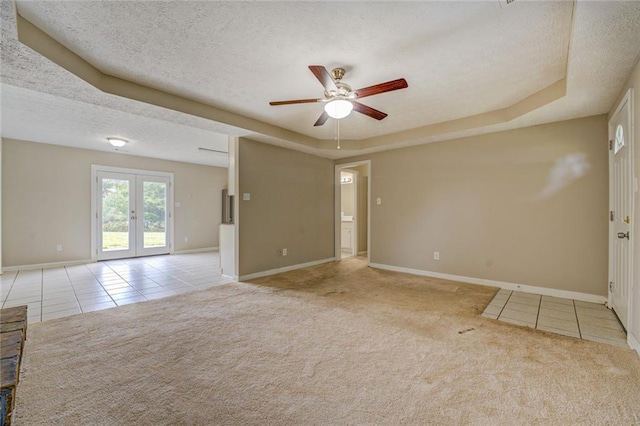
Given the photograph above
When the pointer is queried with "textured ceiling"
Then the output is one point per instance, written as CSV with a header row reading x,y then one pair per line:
x,y
459,58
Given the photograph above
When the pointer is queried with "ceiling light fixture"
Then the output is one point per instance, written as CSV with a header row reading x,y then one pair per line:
x,y
338,108
118,142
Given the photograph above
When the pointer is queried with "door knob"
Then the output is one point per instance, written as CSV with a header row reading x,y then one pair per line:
x,y
622,235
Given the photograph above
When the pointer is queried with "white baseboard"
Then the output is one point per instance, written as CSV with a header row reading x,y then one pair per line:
x,y
200,250
285,269
47,265
585,297
633,342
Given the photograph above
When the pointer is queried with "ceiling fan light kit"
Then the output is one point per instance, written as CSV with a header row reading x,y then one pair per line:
x,y
338,108
340,99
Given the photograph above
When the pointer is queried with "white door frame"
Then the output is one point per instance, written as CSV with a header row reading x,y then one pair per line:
x,y
629,142
338,202
95,168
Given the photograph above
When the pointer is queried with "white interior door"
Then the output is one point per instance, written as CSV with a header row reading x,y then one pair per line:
x,y
621,206
132,215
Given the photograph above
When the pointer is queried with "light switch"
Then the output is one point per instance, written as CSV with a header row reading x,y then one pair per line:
x,y
378,201
246,196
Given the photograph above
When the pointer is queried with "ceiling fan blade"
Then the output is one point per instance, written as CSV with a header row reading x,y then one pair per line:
x,y
323,77
389,86
323,119
367,110
296,101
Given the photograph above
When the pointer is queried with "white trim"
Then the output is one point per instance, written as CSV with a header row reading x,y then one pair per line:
x,y
285,269
200,250
585,297
48,265
633,342
362,253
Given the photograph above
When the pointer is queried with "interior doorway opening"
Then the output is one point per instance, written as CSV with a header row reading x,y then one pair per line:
x,y
352,219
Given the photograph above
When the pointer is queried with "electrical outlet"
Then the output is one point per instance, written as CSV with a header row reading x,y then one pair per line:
x,y
284,251
186,239
436,255
59,247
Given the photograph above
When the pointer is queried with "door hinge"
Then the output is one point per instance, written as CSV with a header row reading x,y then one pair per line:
x,y
611,145
611,286
612,216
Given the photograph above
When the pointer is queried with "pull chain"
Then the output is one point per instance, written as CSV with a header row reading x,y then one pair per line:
x,y
338,132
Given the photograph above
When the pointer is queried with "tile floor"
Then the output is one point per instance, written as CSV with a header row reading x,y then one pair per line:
x,y
58,292
584,320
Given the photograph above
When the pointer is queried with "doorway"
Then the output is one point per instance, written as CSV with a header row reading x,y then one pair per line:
x,y
133,215
621,209
352,216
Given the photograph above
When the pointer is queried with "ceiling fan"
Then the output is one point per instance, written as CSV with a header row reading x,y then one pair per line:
x,y
339,99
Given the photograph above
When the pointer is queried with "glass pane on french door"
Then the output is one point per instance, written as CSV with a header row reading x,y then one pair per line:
x,y
116,214
154,202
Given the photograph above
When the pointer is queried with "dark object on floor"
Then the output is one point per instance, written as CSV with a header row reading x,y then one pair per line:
x,y
13,332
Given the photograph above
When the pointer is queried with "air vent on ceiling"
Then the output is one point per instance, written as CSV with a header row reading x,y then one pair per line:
x,y
212,150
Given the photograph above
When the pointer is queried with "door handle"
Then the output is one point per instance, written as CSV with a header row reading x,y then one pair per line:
x,y
623,235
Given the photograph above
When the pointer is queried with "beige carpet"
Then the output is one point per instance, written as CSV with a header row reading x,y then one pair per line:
x,y
335,344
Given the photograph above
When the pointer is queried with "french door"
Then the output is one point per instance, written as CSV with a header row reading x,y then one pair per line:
x,y
132,215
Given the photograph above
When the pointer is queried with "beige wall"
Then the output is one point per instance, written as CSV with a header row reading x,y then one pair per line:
x,y
46,200
634,82
292,205
362,213
526,206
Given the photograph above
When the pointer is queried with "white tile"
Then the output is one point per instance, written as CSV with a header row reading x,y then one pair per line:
x,y
604,333
558,331
127,295
532,309
613,324
21,301
129,300
558,300
98,306
595,313
571,326
617,342
519,315
557,306
518,322
159,295
60,307
104,298
60,314
525,295
525,301
553,313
